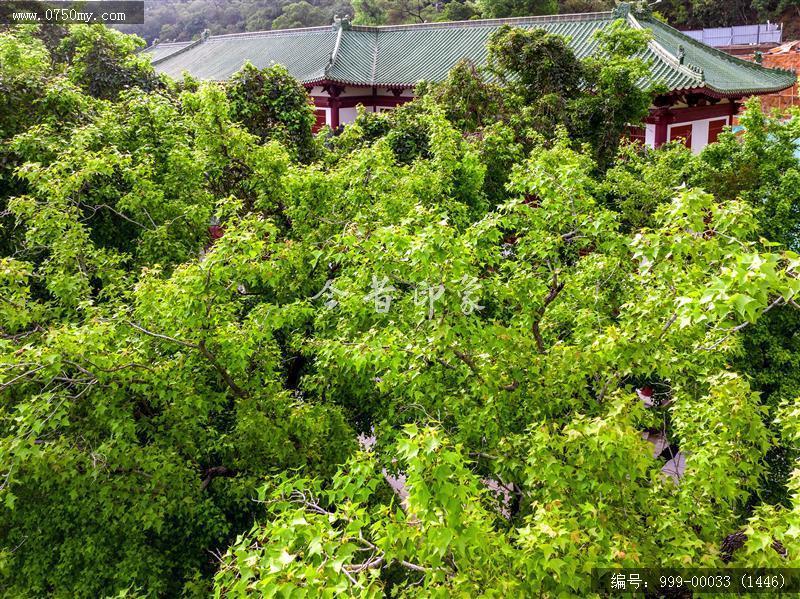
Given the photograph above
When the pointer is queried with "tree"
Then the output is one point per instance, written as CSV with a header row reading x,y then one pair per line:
x,y
496,9
271,104
709,13
470,102
436,533
183,20
580,6
147,425
762,168
301,14
759,167
417,345
385,12
596,99
460,11
24,66
369,12
104,62
538,63
494,382
616,99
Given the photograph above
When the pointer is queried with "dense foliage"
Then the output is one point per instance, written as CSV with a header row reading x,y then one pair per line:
x,y
712,13
271,104
412,362
169,20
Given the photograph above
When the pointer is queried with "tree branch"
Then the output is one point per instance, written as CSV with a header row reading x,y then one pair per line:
x,y
215,471
607,384
223,373
537,335
555,288
160,336
469,362
375,562
411,566
779,301
122,216
513,386
201,347
666,327
5,386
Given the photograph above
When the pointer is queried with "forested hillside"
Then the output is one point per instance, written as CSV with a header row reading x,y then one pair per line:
x,y
474,347
180,20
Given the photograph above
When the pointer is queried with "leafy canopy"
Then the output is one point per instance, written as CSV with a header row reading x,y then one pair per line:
x,y
417,345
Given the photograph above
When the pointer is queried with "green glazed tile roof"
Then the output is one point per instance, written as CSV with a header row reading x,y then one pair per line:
x,y
161,51
402,55
719,72
305,52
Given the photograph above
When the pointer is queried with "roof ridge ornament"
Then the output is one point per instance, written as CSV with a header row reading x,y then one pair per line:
x,y
637,8
341,22
677,61
340,26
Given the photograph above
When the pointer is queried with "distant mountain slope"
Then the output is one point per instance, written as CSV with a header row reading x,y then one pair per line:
x,y
182,20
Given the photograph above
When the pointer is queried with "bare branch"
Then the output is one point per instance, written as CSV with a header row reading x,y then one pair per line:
x,y
119,214
6,385
779,301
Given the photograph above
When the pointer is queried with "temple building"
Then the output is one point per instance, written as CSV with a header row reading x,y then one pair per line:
x,y
343,66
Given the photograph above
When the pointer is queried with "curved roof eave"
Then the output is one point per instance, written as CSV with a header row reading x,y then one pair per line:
x,y
712,92
789,78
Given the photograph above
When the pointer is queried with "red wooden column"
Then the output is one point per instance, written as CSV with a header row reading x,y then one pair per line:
x,y
334,91
734,111
661,118
334,107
